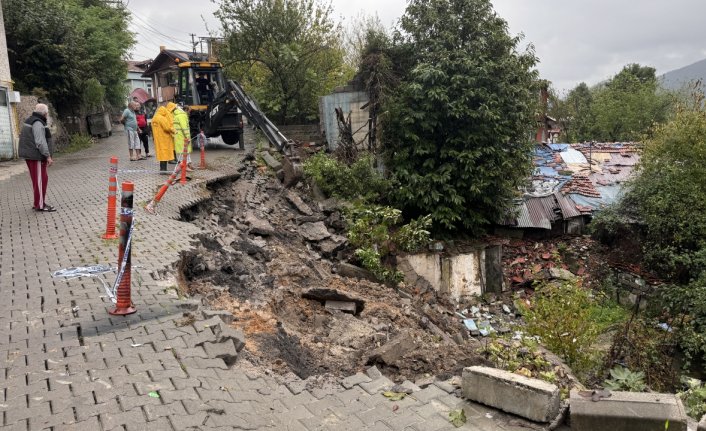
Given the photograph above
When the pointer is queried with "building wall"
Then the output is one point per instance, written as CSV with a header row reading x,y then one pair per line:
x,y
6,79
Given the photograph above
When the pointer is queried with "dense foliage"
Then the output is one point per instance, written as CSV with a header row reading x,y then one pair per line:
x,y
73,50
624,108
287,53
457,129
664,208
357,181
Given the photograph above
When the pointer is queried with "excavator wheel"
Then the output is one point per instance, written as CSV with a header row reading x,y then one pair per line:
x,y
231,137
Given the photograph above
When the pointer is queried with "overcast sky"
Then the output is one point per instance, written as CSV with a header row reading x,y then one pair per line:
x,y
580,40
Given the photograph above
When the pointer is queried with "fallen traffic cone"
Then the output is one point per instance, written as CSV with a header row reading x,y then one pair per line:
x,y
152,206
123,304
112,191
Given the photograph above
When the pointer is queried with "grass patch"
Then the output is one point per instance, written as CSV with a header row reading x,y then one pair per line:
x,y
77,142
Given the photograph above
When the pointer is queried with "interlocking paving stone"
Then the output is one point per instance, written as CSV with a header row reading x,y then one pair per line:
x,y
66,364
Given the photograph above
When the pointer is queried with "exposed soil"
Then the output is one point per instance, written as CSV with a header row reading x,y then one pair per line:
x,y
262,253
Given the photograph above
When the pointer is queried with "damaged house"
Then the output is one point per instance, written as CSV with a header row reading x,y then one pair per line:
x,y
569,183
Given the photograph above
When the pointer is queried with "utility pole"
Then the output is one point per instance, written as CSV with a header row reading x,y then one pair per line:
x,y
193,43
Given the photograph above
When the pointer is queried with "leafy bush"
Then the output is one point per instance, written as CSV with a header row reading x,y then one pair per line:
x,y
641,345
519,356
370,230
560,315
357,181
622,379
694,399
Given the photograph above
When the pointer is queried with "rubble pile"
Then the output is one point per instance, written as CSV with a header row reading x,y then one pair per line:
x,y
275,259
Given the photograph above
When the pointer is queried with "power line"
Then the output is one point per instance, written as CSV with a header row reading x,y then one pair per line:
x,y
159,32
156,34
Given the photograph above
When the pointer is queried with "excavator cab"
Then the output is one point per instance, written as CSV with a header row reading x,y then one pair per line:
x,y
200,88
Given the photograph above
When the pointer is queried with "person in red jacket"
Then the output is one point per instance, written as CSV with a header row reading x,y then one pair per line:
x,y
142,129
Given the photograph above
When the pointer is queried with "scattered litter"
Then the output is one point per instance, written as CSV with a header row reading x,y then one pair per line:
x,y
665,327
394,396
470,324
475,310
83,271
153,394
485,329
461,315
457,418
137,345
489,416
62,382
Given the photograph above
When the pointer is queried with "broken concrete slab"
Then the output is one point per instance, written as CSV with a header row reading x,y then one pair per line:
x,y
344,306
225,316
561,274
348,270
322,295
392,351
626,411
224,350
258,226
533,399
271,161
331,245
225,333
314,231
298,203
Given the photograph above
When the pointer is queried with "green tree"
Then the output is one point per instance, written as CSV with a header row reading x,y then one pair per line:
x,y
457,138
629,104
61,45
286,52
579,103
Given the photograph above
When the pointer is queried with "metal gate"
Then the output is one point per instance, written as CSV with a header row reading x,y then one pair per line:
x,y
7,150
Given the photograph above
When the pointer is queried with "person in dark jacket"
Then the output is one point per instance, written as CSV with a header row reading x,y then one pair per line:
x,y
36,148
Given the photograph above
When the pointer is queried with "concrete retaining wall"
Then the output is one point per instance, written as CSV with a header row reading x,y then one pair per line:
x,y
459,275
530,398
627,411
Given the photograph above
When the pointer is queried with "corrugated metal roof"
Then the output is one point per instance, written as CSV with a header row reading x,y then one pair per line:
x,y
540,212
525,219
558,147
567,205
573,157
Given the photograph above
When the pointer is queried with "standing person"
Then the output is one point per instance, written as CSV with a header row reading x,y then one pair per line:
x,y
162,132
133,140
170,115
142,130
36,148
182,136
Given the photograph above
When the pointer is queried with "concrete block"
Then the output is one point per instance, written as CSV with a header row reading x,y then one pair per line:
x,y
627,411
530,398
702,424
271,161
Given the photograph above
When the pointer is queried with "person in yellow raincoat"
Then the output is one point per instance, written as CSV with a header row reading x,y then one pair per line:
x,y
182,135
162,133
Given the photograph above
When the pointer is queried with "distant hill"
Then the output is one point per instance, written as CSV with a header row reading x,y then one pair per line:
x,y
675,79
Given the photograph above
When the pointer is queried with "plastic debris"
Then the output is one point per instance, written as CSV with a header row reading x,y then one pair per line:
x,y
484,328
665,327
470,324
506,309
136,345
457,418
153,394
394,396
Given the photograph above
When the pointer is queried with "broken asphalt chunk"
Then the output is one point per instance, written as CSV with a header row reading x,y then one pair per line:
x,y
324,295
314,231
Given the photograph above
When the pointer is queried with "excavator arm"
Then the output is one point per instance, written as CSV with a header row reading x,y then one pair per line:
x,y
234,97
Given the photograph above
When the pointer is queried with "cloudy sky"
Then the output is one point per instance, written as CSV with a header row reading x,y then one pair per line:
x,y
580,40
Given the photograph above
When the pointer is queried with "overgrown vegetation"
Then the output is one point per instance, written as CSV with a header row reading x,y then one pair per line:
x,y
456,136
520,356
72,49
623,108
622,379
285,53
77,142
694,398
664,211
568,319
375,232
357,181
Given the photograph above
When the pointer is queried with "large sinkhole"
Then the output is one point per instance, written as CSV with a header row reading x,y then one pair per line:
x,y
270,256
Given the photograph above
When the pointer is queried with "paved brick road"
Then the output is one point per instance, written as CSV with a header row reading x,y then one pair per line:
x,y
65,363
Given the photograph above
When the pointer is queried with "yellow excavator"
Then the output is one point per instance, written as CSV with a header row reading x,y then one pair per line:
x,y
217,105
